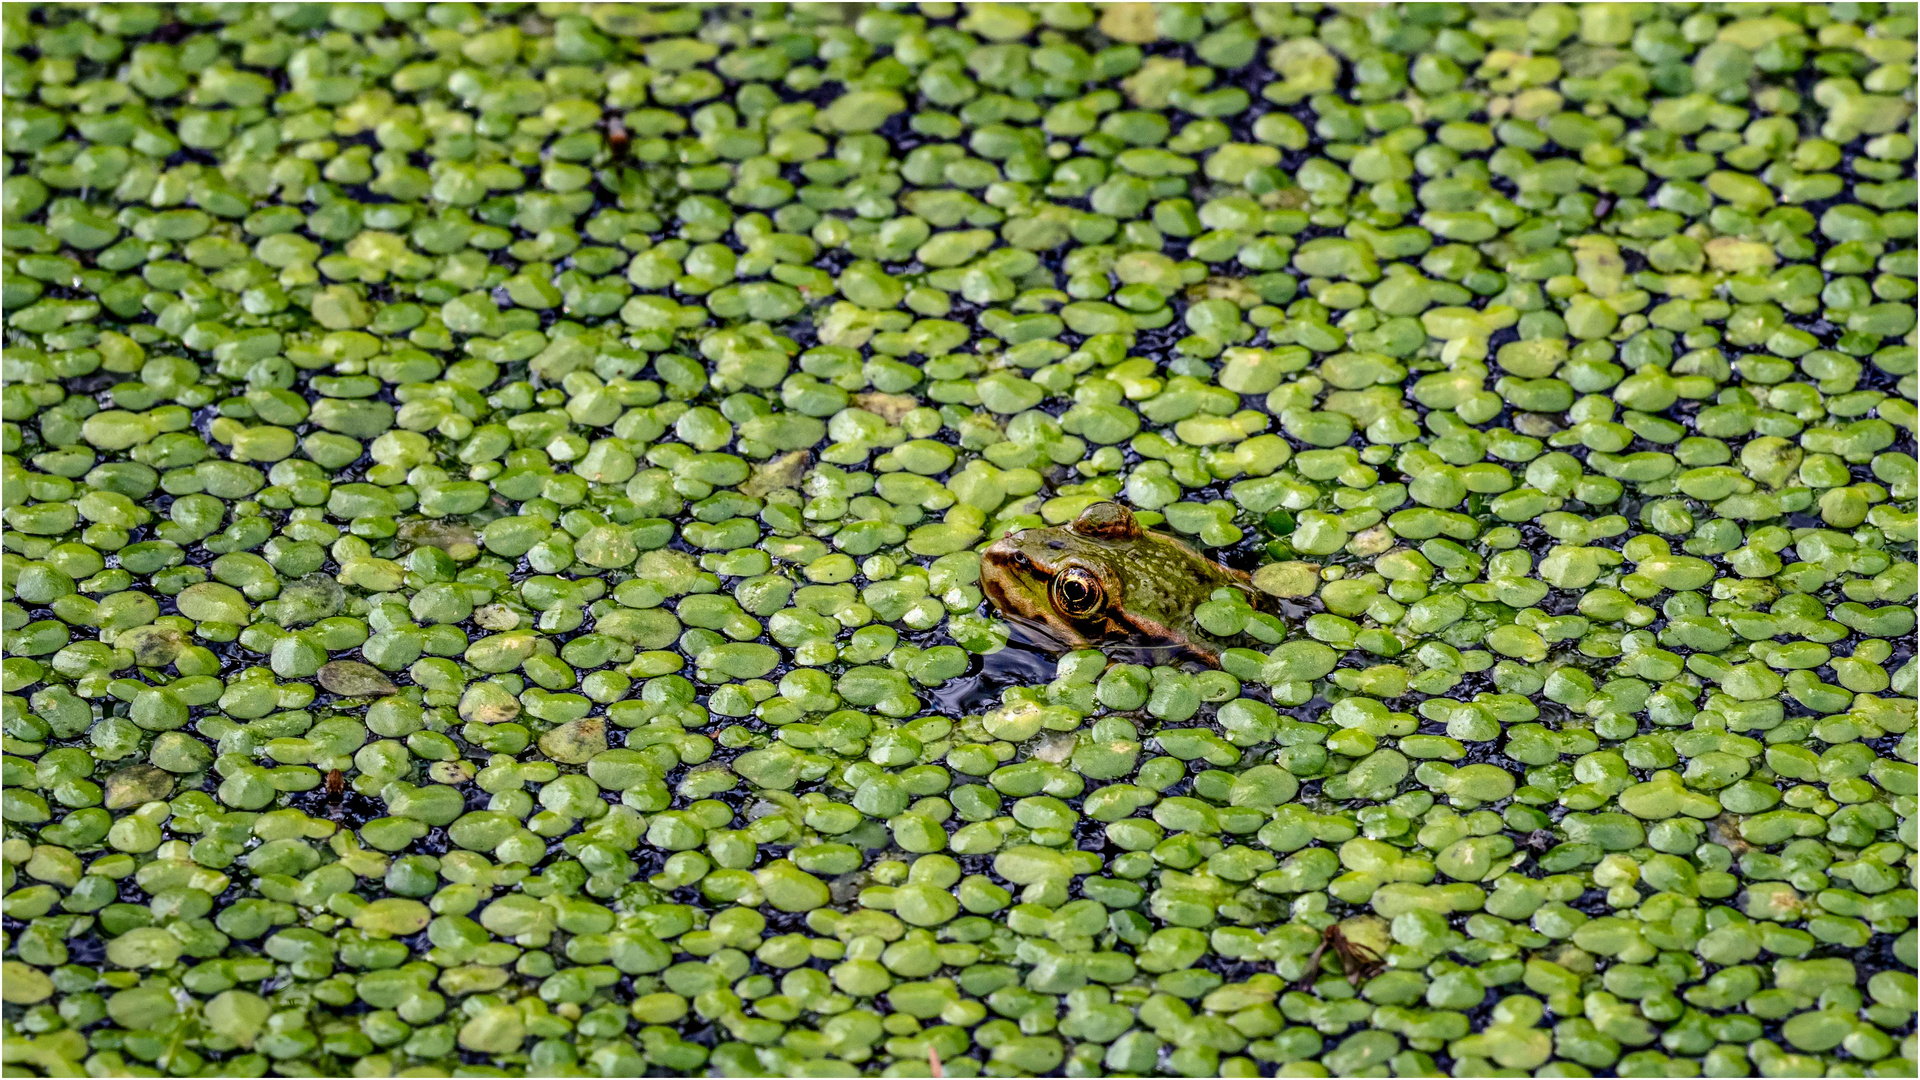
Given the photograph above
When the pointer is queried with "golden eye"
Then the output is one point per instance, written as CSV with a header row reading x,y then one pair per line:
x,y
1078,592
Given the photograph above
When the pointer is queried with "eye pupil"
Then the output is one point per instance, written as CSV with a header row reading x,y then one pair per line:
x,y
1078,592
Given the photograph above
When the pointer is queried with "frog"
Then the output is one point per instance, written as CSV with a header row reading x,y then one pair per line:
x,y
1104,580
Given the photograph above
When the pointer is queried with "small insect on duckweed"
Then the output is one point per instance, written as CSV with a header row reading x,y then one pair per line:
x,y
336,793
1357,962
616,135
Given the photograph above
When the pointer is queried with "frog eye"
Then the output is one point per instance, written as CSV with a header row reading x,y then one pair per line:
x,y
1078,592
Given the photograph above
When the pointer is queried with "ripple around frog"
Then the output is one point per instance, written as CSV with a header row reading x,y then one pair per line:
x,y
1023,662
1028,660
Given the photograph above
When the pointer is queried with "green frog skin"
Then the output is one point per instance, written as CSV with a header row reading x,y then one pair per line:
x,y
1103,580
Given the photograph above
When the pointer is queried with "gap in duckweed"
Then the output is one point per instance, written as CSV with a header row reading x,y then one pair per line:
x,y
494,499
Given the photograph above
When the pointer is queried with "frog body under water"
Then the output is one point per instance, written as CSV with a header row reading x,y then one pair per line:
x,y
1103,581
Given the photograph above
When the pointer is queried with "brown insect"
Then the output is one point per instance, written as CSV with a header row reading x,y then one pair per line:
x,y
336,786
616,135
1357,962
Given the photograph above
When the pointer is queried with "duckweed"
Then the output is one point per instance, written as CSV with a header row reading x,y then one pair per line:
x,y
492,493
